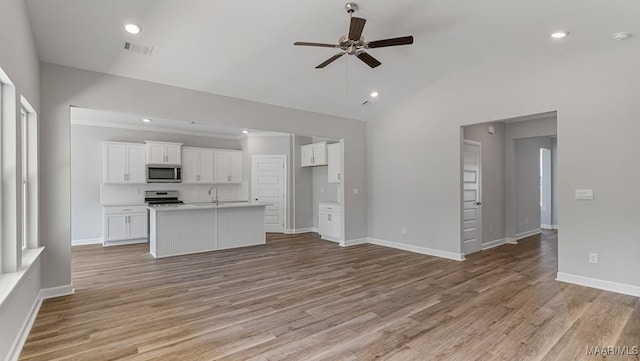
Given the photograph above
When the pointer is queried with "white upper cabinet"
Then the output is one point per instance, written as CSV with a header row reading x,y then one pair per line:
x,y
227,166
312,155
164,153
334,158
123,163
197,165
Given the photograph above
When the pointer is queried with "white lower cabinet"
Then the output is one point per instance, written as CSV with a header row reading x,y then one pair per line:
x,y
330,221
124,225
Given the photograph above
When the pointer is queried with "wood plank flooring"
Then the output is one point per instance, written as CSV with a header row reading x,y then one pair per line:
x,y
301,298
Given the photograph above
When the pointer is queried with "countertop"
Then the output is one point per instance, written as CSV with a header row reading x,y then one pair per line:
x,y
191,206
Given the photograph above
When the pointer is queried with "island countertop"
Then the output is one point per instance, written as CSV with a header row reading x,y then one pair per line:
x,y
208,205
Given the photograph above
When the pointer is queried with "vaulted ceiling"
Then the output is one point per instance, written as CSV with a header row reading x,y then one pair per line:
x,y
244,48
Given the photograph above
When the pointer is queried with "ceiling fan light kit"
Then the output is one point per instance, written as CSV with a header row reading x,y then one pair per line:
x,y
354,44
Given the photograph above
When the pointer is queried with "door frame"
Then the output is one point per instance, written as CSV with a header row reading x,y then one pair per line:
x,y
479,214
285,202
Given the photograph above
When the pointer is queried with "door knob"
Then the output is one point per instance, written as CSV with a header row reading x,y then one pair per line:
x,y
256,199
478,203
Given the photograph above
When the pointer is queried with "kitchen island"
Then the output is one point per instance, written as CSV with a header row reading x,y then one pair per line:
x,y
202,227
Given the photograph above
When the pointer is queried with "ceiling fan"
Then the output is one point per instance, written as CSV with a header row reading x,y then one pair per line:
x,y
354,44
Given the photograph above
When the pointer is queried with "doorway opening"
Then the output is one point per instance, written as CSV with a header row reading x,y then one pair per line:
x,y
516,181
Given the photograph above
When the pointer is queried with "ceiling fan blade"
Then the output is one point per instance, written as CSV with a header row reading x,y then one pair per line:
x,y
302,43
405,40
330,60
368,59
355,30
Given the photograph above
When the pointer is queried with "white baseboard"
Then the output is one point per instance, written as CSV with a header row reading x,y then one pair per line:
x,y
546,226
522,235
82,242
353,242
417,249
18,344
56,291
599,284
123,243
494,243
554,226
301,230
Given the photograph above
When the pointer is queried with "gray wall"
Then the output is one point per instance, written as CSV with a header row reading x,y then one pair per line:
x,y
528,183
554,182
86,169
271,145
520,130
414,154
19,61
65,86
303,178
493,151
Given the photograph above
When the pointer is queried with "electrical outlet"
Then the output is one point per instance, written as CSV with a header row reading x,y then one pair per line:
x,y
404,230
526,221
355,191
593,258
321,189
491,228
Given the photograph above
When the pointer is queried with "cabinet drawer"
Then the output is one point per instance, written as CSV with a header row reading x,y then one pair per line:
x,y
124,209
329,208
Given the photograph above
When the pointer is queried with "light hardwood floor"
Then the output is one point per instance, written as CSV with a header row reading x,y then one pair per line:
x,y
301,298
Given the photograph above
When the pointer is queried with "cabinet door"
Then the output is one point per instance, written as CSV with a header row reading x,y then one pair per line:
x,y
235,165
320,153
306,155
324,224
114,163
137,225
336,225
222,167
136,164
173,154
333,160
155,153
206,166
190,169
115,227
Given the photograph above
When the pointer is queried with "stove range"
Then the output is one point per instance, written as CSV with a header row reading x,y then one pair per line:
x,y
162,198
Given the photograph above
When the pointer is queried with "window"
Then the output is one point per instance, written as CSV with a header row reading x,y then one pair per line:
x,y
25,175
28,151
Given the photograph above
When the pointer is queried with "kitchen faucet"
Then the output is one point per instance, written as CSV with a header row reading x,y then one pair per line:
x,y
216,195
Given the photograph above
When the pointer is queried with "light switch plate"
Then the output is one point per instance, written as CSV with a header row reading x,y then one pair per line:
x,y
584,194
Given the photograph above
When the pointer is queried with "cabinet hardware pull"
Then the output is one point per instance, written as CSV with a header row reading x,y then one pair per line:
x,y
329,217
126,209
338,176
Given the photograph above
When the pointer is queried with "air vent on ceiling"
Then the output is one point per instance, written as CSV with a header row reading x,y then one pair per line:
x,y
137,48
368,103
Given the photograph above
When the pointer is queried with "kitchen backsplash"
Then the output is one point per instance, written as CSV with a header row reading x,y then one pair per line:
x,y
188,193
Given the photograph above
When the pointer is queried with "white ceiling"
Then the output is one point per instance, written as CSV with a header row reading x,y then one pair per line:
x,y
110,119
244,48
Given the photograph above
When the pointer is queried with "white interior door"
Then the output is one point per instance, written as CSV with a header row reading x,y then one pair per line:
x,y
471,197
268,185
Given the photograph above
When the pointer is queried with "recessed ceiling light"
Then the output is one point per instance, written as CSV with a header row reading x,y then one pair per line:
x,y
132,28
559,34
374,94
245,131
146,120
623,35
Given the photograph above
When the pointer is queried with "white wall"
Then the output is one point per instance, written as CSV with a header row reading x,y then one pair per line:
x,y
86,175
414,155
19,61
63,87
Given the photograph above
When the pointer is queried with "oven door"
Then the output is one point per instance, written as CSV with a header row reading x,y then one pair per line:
x,y
160,174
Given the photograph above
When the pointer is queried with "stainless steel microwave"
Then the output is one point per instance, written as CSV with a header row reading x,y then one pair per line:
x,y
163,174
